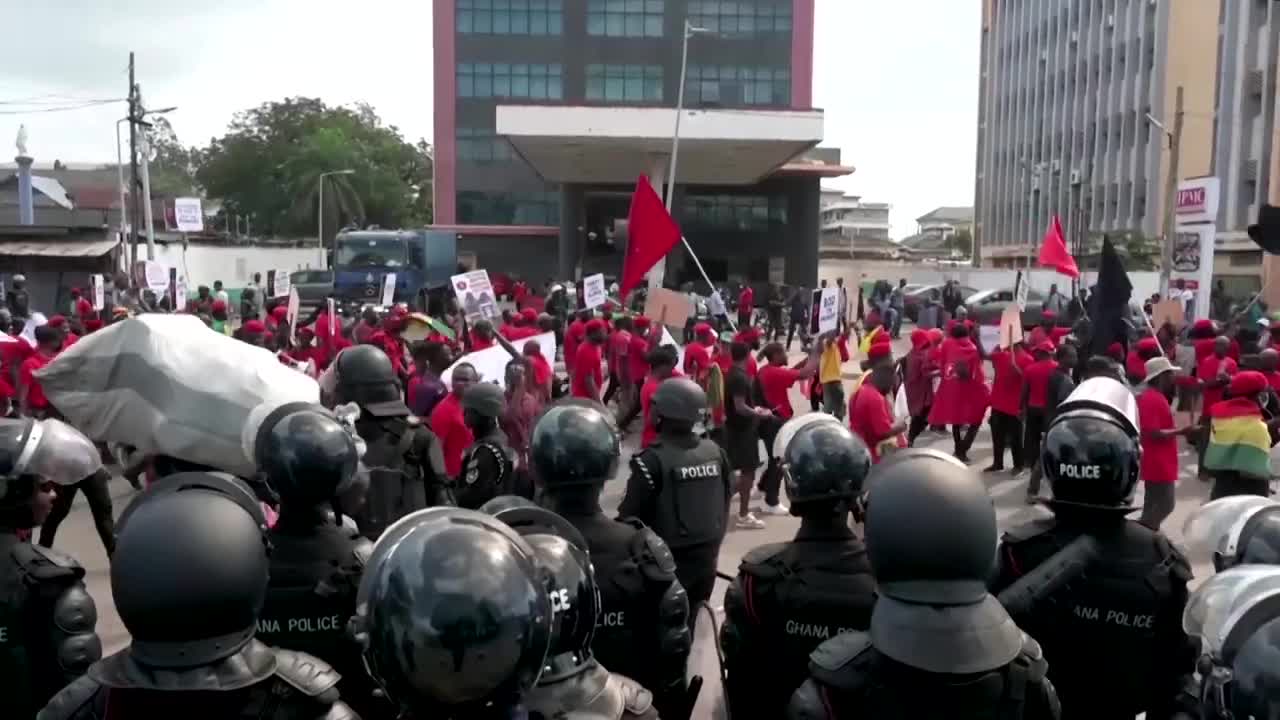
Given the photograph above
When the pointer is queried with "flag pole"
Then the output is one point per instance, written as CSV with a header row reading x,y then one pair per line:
x,y
696,261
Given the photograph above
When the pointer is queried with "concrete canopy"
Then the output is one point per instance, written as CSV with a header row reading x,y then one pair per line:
x,y
567,144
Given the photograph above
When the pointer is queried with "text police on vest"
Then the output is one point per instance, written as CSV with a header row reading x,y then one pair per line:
x,y
1080,472
617,618
317,624
1115,617
706,470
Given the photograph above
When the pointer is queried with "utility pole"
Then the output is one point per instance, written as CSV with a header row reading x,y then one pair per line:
x,y
134,117
1171,194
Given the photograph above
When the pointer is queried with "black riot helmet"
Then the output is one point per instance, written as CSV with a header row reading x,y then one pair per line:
x,y
366,378
454,614
1235,616
1236,530
1091,450
307,456
496,505
50,449
573,445
679,399
823,464
931,539
189,574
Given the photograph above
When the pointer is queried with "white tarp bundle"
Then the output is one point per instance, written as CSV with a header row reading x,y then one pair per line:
x,y
169,385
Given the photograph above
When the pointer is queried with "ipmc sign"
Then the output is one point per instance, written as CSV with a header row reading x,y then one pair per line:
x,y
1197,200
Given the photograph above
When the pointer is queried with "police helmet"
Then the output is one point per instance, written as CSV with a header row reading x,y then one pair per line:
x,y
1235,615
1090,451
454,613
1236,530
793,426
366,377
824,462
50,449
575,603
307,456
573,445
189,574
504,502
680,399
931,539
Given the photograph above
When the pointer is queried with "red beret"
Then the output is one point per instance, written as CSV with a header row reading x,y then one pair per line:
x,y
641,322
1048,315
1249,382
253,327
595,324
919,339
881,338
1148,343
218,305
936,335
879,350
57,321
702,329
92,324
279,312
1115,348
1203,325
529,315
306,331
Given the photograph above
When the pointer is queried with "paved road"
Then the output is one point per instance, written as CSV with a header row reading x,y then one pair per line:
x,y
78,537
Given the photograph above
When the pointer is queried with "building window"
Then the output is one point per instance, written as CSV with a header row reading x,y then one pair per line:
x,y
625,18
624,83
508,80
733,212
481,147
509,208
510,17
741,17
729,85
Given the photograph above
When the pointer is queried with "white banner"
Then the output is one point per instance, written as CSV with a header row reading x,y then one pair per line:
x,y
157,276
291,313
829,310
1022,289
491,363
331,307
388,289
593,291
187,215
1193,269
475,296
99,289
282,284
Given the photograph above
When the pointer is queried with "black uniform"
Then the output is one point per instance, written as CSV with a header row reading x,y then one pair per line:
x,y
939,646
642,630
789,597
1113,636
188,580
488,466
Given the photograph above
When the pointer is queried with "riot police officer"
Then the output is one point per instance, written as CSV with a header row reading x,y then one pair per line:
x,y
1112,635
1235,530
406,467
789,597
47,617
488,466
642,631
188,577
309,460
939,646
573,683
1236,617
441,639
680,486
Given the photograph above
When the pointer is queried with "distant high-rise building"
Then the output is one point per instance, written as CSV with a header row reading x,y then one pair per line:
x,y
1065,88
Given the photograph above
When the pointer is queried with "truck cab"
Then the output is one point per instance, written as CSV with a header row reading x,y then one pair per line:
x,y
420,259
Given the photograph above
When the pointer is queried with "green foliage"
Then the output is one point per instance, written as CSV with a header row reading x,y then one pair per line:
x,y
172,166
1137,250
961,241
268,165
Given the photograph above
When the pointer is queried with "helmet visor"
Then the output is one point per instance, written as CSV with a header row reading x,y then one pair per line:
x,y
1215,526
793,426
61,454
1215,607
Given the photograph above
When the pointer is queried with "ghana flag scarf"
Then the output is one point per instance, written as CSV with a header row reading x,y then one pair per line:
x,y
1238,439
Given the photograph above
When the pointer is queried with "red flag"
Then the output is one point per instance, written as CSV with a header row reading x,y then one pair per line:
x,y
651,235
1053,251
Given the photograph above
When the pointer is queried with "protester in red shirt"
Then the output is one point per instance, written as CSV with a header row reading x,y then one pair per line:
x,y
1215,371
1006,409
963,395
1159,464
1269,366
524,403
481,336
31,397
1035,398
618,352
697,355
746,304
870,414
542,374
1135,362
573,337
1044,331
776,378
588,378
305,350
391,341
918,374
662,365
448,424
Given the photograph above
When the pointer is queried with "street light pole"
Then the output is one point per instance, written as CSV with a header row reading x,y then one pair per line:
x,y
1170,191
320,212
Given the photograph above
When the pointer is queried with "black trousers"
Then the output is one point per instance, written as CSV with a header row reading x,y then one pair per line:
x,y
1006,432
98,493
1033,432
918,425
634,411
696,570
612,389
770,482
963,437
802,326
1229,482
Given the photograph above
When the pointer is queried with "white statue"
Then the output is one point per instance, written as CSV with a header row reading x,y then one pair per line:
x,y
21,142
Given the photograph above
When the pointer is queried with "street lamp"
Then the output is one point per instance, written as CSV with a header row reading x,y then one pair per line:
x,y
689,32
320,212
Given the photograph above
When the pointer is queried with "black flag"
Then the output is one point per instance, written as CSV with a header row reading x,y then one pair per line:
x,y
1109,302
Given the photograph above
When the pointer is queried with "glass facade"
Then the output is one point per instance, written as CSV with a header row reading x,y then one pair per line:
x,y
730,85
508,208
625,18
510,17
733,212
511,80
624,83
481,146
741,17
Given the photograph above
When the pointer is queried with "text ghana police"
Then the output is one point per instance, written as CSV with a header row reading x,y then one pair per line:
x,y
309,460
643,628
573,683
1112,636
404,459
47,617
444,641
188,577
1235,615
939,646
680,486
789,597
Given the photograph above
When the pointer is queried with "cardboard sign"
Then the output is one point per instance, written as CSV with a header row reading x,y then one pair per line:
x,y
291,314
989,337
179,302
331,307
1170,311
475,296
187,215
99,289
389,289
675,303
1010,326
278,283
1022,288
155,276
829,310
593,291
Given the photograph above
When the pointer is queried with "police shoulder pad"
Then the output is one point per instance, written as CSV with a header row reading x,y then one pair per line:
x,y
305,673
1028,530
1032,657
362,550
44,564
836,662
72,699
1173,558
652,555
760,561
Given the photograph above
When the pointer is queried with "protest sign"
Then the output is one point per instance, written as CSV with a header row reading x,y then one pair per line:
x,y
593,291
1022,290
1167,311
1010,326
491,363
475,295
99,288
291,313
187,215
388,289
675,303
278,283
828,311
155,276
331,307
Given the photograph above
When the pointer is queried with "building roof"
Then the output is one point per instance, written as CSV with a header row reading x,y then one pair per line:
x,y
950,214
57,248
925,242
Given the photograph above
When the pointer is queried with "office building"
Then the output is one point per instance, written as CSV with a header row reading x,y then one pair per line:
x,y
1065,89
547,112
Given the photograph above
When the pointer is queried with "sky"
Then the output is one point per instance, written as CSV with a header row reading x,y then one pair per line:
x,y
898,80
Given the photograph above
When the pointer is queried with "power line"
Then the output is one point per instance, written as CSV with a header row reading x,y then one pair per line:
x,y
54,99
68,108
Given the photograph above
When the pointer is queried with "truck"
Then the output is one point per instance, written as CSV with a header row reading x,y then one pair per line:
x,y
423,260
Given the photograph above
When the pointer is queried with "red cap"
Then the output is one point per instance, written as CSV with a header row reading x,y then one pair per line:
x,y
641,322
1046,347
92,324
919,339
1249,382
279,312
595,324
253,327
702,329
529,315
1147,343
393,323
879,350
1203,325
57,321
219,305
881,338
306,331
1048,315
936,335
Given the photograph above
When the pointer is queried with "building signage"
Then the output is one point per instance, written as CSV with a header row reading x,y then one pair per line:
x,y
1197,200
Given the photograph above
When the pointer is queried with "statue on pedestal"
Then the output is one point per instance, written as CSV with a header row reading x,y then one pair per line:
x,y
21,142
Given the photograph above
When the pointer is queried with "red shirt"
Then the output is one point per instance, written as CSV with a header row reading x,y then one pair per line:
x,y
455,437
586,363
619,347
871,419
1159,463
1036,376
1135,365
478,343
35,396
745,299
775,382
696,360
1207,371
572,339
636,356
1038,335
541,372
1006,388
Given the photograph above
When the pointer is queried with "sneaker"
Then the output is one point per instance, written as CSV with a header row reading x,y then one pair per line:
x,y
778,509
993,468
748,522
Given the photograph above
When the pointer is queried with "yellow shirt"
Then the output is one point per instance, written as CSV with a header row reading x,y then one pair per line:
x,y
829,364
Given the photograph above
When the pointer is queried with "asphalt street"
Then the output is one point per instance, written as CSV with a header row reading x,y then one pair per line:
x,y
77,536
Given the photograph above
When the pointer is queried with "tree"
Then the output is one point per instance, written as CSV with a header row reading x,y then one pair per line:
x,y
268,166
172,166
961,241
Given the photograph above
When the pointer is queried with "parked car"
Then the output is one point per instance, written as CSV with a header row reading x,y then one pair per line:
x,y
313,286
986,306
916,295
